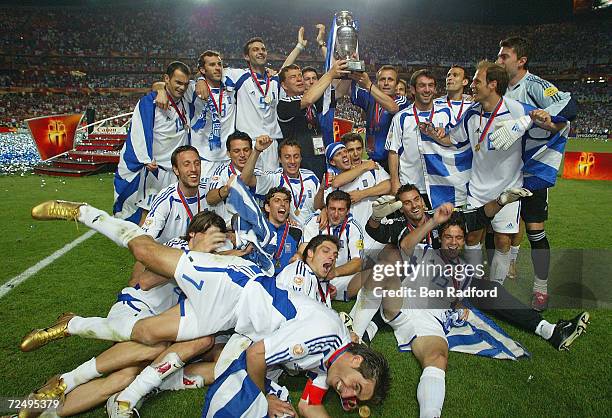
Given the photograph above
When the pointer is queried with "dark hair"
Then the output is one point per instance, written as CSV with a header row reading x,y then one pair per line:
x,y
177,65
521,46
404,188
282,76
247,45
456,219
202,221
373,367
465,73
421,73
495,72
181,149
339,195
350,137
207,53
238,135
273,191
290,142
314,243
387,67
310,69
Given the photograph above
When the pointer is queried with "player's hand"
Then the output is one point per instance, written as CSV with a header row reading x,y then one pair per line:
x,y
338,70
262,142
201,89
443,213
509,131
247,250
395,185
293,223
322,219
279,408
512,195
332,291
152,166
301,39
161,100
430,130
356,196
271,72
212,240
363,79
542,119
368,165
321,34
384,206
230,181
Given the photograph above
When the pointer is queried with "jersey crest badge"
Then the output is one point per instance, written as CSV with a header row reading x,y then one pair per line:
x,y
298,280
359,244
551,91
298,350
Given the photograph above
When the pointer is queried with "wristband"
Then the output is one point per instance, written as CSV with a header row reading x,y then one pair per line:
x,y
200,79
299,46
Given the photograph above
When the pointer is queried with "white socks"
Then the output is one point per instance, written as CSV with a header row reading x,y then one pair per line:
x,y
118,230
150,378
500,266
431,391
103,328
540,285
514,251
82,374
179,380
364,310
545,329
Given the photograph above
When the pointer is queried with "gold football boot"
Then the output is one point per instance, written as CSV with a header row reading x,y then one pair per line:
x,y
39,337
54,389
57,209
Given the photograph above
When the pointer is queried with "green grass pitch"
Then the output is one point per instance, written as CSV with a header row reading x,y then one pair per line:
x,y
87,279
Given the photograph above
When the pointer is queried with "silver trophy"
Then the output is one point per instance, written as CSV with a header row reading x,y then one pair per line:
x,y
346,42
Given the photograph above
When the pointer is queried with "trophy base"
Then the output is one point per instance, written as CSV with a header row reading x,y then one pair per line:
x,y
356,66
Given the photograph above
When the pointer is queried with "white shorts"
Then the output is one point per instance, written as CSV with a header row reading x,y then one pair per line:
x,y
150,185
131,309
268,160
341,284
413,323
508,219
211,298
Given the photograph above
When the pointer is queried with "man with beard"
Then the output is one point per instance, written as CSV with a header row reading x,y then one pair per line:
x,y
456,81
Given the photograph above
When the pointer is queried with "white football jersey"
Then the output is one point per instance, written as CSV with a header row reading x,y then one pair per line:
x,y
457,107
303,190
169,218
350,235
405,138
493,171
299,277
169,132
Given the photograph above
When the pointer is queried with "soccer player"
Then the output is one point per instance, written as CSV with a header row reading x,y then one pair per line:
x,y
456,81
175,206
256,94
310,274
380,103
364,181
277,205
528,88
406,163
493,170
350,235
307,195
239,147
144,166
401,89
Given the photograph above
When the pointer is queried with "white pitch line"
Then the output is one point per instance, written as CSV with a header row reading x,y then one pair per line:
x,y
17,280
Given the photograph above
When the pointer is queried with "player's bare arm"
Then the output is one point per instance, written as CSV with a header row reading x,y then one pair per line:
x,y
248,172
387,102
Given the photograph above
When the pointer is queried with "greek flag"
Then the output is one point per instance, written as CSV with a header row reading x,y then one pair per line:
x,y
542,155
478,335
136,152
251,226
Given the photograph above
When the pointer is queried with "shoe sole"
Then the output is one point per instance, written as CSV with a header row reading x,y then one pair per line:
x,y
581,326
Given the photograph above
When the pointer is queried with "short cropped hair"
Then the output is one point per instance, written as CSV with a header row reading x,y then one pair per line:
x,y
387,67
404,188
275,190
179,150
314,243
421,73
339,195
495,72
177,65
351,137
283,72
456,219
207,53
520,45
238,135
248,43
310,69
290,142
373,367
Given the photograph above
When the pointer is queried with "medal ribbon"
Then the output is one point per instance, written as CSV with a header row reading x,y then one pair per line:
x,y
483,135
297,202
451,107
341,229
185,205
416,115
231,167
256,80
282,243
336,354
182,115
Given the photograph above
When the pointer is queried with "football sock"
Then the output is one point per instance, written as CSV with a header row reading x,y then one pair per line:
x,y
363,311
119,231
473,255
545,329
431,391
540,252
179,380
514,251
500,266
540,286
102,328
150,378
490,246
82,374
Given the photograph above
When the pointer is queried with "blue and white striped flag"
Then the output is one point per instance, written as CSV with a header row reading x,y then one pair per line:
x,y
251,226
136,152
542,156
481,336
